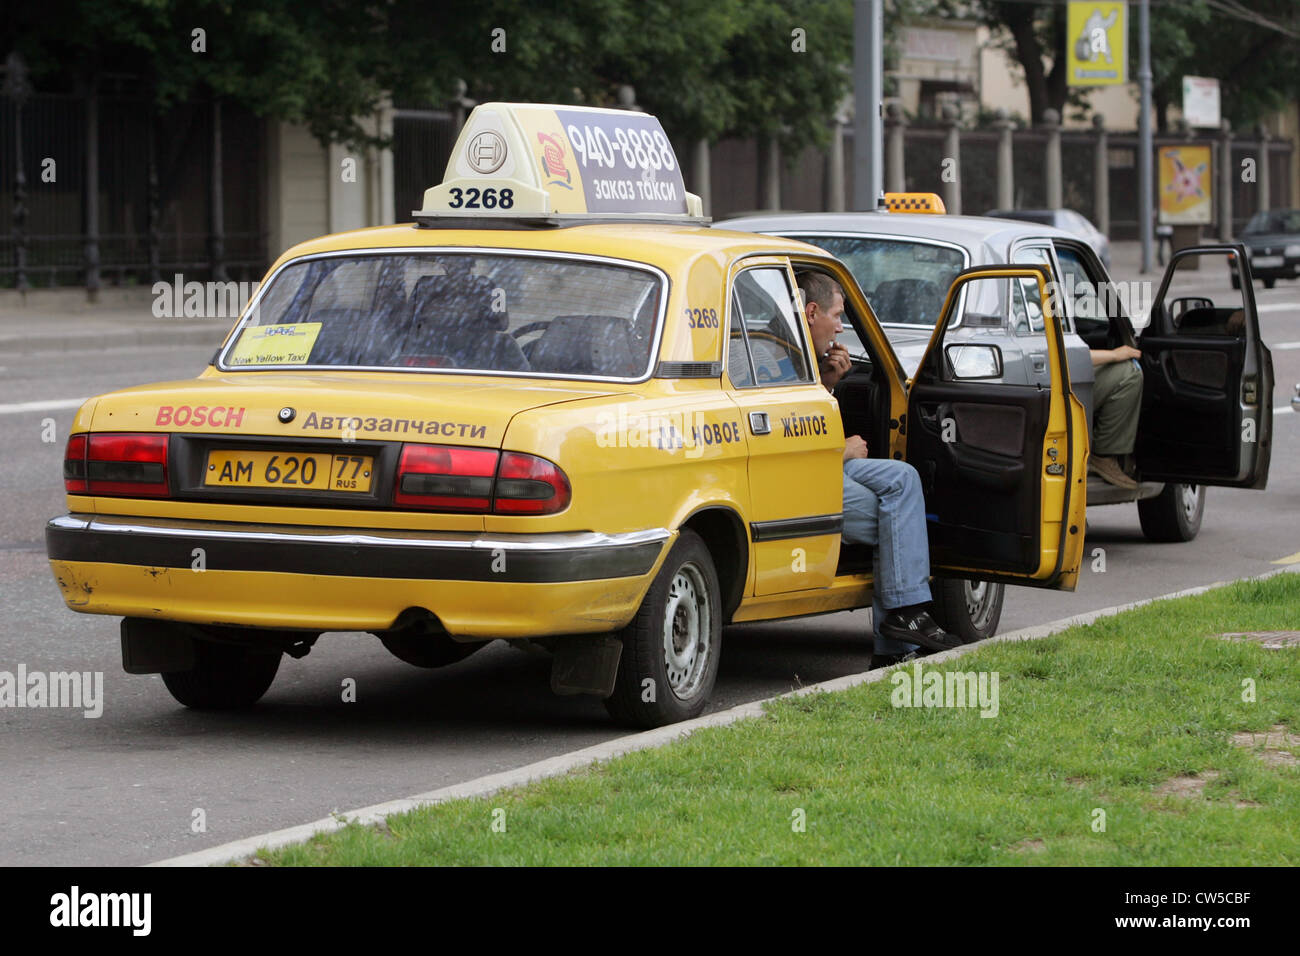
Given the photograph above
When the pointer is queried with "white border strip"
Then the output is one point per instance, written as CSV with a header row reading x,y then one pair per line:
x,y
564,763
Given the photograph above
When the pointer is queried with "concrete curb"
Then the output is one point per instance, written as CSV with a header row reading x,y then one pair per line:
x,y
556,766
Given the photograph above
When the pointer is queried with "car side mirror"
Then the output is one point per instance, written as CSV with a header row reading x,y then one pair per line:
x,y
975,361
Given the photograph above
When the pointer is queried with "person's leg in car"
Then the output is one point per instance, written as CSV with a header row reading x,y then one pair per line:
x,y
902,552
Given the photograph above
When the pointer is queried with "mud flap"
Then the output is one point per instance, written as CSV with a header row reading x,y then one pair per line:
x,y
156,647
586,665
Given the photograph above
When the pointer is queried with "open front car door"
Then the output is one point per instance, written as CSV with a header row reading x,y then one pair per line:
x,y
1207,390
1002,466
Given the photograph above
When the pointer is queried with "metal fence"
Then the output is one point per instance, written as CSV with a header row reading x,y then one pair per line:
x,y
736,187
152,210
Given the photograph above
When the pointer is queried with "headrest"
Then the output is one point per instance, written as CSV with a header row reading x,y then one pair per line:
x,y
458,303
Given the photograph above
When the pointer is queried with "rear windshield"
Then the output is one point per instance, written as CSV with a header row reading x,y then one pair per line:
x,y
904,281
478,312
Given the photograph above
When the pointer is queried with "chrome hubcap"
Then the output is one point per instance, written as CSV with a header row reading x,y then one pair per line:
x,y
1191,499
688,641
979,602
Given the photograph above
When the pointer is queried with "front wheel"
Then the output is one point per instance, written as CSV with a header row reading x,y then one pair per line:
x,y
225,676
671,648
1174,514
969,609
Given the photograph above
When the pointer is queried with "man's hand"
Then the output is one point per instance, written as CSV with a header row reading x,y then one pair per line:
x,y
854,447
834,365
1109,356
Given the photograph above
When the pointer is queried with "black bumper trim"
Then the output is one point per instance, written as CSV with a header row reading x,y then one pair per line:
x,y
84,538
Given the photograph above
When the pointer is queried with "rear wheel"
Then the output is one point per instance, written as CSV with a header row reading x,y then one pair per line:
x,y
225,676
969,609
671,648
1174,514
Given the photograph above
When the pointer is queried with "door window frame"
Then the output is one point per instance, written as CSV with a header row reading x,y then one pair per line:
x,y
733,310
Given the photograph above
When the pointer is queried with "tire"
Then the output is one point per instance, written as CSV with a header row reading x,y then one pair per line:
x,y
1269,283
969,609
422,647
674,642
225,677
1236,283
1174,514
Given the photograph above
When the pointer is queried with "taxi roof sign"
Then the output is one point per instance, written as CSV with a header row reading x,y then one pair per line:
x,y
915,202
554,164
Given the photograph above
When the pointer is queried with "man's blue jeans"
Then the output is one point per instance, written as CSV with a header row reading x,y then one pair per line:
x,y
884,507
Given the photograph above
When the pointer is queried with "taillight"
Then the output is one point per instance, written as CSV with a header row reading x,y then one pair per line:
x,y
116,464
74,465
445,479
479,480
528,485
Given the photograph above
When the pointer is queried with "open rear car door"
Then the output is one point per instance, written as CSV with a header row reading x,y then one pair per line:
x,y
1207,391
1002,466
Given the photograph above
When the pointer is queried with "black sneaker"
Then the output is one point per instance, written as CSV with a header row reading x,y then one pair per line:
x,y
889,660
918,628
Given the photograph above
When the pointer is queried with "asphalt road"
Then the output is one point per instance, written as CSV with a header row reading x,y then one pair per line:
x,y
124,788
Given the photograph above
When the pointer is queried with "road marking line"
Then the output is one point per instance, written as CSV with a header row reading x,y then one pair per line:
x,y
564,763
55,404
1289,559
1283,410
1284,346
1277,307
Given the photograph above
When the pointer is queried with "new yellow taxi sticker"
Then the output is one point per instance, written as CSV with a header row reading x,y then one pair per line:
x,y
275,344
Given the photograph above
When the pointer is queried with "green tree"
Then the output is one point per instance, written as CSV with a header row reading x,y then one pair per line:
x,y
1256,63
706,67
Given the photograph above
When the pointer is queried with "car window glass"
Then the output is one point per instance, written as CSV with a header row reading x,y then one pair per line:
x,y
738,366
1089,305
905,281
1026,307
768,315
1195,304
487,312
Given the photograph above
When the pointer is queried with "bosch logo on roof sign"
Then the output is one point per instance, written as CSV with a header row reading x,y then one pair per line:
x,y
625,161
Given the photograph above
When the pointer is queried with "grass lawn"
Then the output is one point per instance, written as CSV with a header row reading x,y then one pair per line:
x,y
1115,717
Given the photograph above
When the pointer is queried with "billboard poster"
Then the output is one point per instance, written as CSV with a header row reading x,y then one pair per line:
x,y
1185,185
1096,43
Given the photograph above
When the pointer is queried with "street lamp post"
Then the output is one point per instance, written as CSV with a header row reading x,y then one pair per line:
x,y
1145,160
868,90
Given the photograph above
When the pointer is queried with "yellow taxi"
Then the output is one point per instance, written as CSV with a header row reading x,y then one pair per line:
x,y
557,407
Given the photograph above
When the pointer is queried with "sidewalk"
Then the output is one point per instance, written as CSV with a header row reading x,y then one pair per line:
x,y
63,320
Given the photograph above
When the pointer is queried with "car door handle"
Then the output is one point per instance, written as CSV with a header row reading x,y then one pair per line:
x,y
759,424
1039,361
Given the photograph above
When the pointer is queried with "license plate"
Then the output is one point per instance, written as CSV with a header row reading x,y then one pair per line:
x,y
1267,262
307,471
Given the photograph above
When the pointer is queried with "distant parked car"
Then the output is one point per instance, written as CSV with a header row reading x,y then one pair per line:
x,y
1066,219
1272,241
